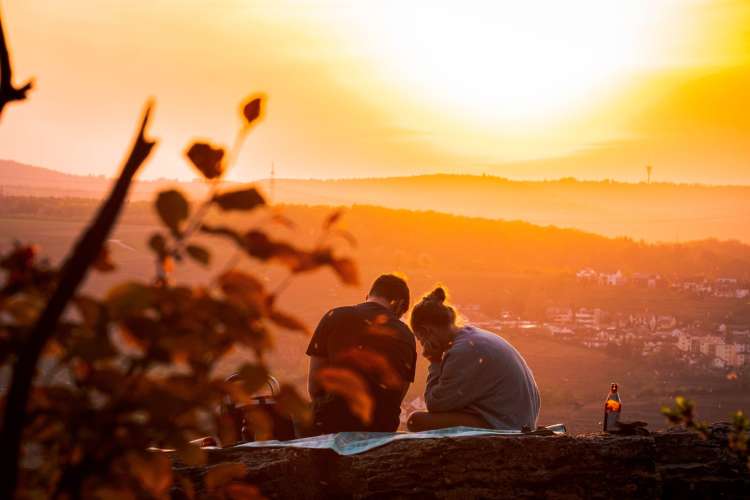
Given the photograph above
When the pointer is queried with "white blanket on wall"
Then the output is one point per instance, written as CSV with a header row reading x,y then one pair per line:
x,y
352,443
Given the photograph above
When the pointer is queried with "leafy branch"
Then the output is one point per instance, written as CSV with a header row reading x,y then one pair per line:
x,y
85,252
683,414
8,91
140,368
136,370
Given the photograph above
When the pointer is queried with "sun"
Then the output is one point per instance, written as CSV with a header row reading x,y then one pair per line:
x,y
508,62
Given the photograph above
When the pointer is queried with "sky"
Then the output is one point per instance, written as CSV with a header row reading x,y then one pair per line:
x,y
592,89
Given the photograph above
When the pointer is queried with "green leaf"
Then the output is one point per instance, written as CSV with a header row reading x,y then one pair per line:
x,y
158,244
103,262
207,159
259,245
106,380
91,347
90,310
252,109
347,271
243,288
332,218
253,377
173,209
350,386
288,321
24,308
244,199
199,253
128,298
291,403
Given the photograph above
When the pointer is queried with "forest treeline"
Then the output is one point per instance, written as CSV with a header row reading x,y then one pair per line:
x,y
432,240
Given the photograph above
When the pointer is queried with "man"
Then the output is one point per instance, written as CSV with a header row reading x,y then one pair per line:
x,y
371,341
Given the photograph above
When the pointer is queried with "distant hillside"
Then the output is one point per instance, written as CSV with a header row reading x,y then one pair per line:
x,y
654,212
433,243
25,180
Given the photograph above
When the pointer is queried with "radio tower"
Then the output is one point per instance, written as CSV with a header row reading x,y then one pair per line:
x,y
649,169
272,183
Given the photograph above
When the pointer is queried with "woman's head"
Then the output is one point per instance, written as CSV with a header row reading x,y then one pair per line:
x,y
432,319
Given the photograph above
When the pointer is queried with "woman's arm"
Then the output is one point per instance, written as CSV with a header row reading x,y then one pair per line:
x,y
456,382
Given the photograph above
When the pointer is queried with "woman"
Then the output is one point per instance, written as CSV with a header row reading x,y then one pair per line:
x,y
476,378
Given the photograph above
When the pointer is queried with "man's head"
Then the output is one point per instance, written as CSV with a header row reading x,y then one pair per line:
x,y
391,291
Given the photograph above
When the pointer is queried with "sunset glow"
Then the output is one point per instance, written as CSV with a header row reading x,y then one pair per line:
x,y
504,62
591,89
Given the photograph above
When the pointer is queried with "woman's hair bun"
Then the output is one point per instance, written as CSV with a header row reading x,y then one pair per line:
x,y
432,310
438,295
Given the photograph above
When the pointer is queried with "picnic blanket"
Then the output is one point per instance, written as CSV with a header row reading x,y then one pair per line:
x,y
352,443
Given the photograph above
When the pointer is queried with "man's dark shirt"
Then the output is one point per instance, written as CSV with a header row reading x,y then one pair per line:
x,y
371,341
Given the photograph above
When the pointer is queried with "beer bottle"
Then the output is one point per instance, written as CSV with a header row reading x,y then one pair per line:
x,y
612,408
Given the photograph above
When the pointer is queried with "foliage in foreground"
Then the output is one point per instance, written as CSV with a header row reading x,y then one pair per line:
x,y
683,414
137,369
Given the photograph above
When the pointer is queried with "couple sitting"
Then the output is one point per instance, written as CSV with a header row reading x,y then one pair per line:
x,y
475,377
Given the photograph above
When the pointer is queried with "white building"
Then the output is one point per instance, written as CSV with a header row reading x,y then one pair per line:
x,y
731,354
588,318
614,279
586,274
684,340
708,345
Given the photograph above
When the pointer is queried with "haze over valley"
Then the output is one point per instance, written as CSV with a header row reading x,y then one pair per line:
x,y
654,212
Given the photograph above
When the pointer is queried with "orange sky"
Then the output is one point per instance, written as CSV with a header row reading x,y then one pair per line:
x,y
591,89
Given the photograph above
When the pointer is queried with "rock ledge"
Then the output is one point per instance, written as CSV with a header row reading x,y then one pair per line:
x,y
672,464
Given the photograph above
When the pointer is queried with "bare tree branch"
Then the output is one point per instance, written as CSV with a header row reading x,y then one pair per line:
x,y
73,272
9,93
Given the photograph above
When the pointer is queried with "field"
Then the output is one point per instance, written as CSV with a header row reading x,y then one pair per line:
x,y
573,380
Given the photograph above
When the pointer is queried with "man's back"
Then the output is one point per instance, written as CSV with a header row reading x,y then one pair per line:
x,y
371,341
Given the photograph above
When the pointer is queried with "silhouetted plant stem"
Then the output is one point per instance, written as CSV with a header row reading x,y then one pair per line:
x,y
195,222
74,270
8,93
193,225
232,262
283,285
235,151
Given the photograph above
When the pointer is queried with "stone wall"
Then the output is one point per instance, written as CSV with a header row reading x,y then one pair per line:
x,y
674,464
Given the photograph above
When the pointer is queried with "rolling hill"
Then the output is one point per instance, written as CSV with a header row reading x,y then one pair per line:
x,y
653,212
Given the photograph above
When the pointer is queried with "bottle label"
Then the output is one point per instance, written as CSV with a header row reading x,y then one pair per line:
x,y
613,406
612,418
